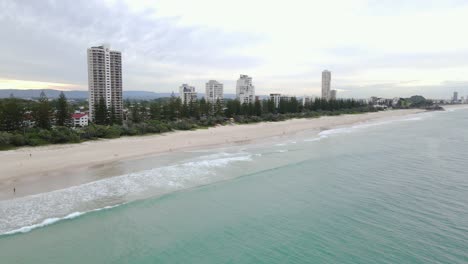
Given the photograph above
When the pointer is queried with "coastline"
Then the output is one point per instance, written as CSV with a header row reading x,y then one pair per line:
x,y
48,167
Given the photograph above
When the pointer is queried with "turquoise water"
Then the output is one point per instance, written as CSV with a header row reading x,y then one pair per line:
x,y
393,191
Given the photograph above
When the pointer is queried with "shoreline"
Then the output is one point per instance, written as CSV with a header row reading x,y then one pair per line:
x,y
48,168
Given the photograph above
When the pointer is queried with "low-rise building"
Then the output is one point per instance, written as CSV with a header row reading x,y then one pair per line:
x,y
80,119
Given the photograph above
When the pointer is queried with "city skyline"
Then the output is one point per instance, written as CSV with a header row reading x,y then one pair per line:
x,y
366,58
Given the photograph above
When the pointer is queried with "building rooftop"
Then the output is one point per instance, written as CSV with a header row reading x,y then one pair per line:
x,y
79,115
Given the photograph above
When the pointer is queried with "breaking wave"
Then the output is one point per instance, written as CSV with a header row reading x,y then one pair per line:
x,y
343,130
27,213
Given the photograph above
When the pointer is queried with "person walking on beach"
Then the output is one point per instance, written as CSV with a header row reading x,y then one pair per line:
x,y
14,190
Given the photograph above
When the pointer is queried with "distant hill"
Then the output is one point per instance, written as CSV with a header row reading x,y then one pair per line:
x,y
51,93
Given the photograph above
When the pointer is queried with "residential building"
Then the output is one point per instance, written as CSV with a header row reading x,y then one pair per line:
x,y
275,97
307,100
278,98
333,95
326,84
105,79
245,91
455,97
286,98
80,119
187,93
214,91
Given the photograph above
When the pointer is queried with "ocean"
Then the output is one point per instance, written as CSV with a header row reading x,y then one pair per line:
x,y
389,191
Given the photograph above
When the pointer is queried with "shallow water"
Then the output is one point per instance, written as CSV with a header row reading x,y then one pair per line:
x,y
393,191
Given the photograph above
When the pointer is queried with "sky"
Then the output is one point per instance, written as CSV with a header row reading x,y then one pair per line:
x,y
372,47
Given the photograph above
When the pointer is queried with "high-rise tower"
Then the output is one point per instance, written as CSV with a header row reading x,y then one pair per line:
x,y
105,79
326,84
245,91
214,91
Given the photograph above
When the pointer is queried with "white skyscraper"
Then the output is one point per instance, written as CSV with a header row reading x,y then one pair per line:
x,y
245,91
105,79
214,91
326,84
187,93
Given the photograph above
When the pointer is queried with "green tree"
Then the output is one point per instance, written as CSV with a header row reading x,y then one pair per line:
x,y
135,114
101,114
11,115
174,108
218,108
271,106
155,111
293,105
283,106
112,116
194,110
203,107
63,115
43,112
184,111
244,109
233,108
258,108
143,112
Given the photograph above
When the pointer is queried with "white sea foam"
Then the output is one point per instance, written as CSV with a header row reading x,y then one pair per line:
x,y
26,213
313,139
344,130
460,107
53,220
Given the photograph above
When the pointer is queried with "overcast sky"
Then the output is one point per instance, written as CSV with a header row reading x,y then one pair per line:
x,y
372,47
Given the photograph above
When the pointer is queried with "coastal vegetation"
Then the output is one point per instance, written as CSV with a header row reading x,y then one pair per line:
x,y
42,121
415,101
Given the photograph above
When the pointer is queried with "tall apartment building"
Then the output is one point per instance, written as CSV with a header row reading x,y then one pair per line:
x,y
326,84
187,93
332,95
105,79
214,91
245,91
455,97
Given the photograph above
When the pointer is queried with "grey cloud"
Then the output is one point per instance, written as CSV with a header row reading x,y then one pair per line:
x,y
47,41
353,57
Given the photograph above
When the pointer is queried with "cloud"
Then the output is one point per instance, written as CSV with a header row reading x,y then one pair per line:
x,y
284,45
47,41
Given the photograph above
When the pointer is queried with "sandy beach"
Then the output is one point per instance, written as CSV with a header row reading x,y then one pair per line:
x,y
41,169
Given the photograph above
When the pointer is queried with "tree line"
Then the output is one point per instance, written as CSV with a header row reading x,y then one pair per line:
x,y
33,123
16,114
173,109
